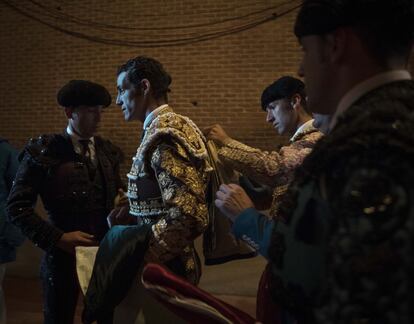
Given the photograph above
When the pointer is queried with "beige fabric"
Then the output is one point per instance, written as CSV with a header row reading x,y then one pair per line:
x,y
85,259
137,307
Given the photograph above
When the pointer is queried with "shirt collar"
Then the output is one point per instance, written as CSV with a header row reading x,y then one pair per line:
x,y
365,86
151,116
302,129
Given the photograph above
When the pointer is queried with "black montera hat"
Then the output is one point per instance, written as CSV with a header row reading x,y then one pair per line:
x,y
285,87
317,17
83,93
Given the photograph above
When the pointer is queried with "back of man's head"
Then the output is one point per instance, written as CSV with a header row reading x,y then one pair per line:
x,y
386,27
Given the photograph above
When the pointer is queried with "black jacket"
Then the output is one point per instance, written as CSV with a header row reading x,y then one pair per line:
x,y
51,169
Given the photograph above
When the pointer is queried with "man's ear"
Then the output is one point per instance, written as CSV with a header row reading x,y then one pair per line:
x,y
145,86
295,101
69,112
337,43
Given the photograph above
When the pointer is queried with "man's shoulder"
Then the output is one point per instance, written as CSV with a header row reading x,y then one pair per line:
x,y
177,129
355,162
5,147
308,138
47,148
364,152
403,89
6,152
394,100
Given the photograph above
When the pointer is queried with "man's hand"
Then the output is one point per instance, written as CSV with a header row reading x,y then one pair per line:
x,y
216,133
120,216
232,200
121,199
70,240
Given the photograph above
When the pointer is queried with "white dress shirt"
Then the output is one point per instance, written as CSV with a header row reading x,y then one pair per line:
x,y
303,128
152,115
78,146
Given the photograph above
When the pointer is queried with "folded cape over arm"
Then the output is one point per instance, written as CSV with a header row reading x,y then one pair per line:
x,y
119,257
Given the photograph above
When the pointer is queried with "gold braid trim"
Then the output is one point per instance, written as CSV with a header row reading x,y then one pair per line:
x,y
179,127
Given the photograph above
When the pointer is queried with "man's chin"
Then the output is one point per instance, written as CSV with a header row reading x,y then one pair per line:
x,y
279,131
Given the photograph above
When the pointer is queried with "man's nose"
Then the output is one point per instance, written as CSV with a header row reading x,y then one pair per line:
x,y
269,116
118,100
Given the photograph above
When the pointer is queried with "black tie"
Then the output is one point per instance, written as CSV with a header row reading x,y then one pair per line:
x,y
86,154
85,151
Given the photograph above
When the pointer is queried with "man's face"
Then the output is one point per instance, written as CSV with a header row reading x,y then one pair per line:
x,y
130,99
85,119
316,70
282,116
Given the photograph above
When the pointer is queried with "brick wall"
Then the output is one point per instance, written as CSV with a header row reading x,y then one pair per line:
x,y
224,76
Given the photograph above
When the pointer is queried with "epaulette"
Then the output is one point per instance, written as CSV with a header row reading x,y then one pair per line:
x,y
42,150
179,128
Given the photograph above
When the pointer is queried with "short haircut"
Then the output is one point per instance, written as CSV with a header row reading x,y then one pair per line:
x,y
284,88
142,67
385,26
83,93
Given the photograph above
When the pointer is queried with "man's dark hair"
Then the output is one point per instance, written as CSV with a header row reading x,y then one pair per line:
x,y
386,27
284,88
142,67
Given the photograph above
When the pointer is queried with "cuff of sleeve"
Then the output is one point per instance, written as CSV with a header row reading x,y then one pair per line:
x,y
246,220
49,239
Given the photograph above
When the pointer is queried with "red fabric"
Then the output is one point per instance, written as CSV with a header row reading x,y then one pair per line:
x,y
155,274
267,311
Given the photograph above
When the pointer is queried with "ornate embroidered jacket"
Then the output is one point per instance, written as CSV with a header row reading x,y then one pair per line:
x,y
274,169
346,253
167,188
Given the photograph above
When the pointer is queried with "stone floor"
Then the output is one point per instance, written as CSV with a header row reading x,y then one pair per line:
x,y
235,282
23,299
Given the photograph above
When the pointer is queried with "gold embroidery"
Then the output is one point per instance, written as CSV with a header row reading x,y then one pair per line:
x,y
173,152
274,169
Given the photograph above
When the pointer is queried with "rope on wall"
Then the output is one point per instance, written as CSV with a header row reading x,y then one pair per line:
x,y
56,18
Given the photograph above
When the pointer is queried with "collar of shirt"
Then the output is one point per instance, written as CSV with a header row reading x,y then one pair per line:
x,y
77,146
303,128
151,116
365,86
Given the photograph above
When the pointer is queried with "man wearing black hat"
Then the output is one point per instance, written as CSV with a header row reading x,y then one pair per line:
x,y
77,176
285,103
346,253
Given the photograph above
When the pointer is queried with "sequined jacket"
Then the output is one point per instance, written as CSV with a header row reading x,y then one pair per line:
x,y
51,169
274,169
167,188
346,253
